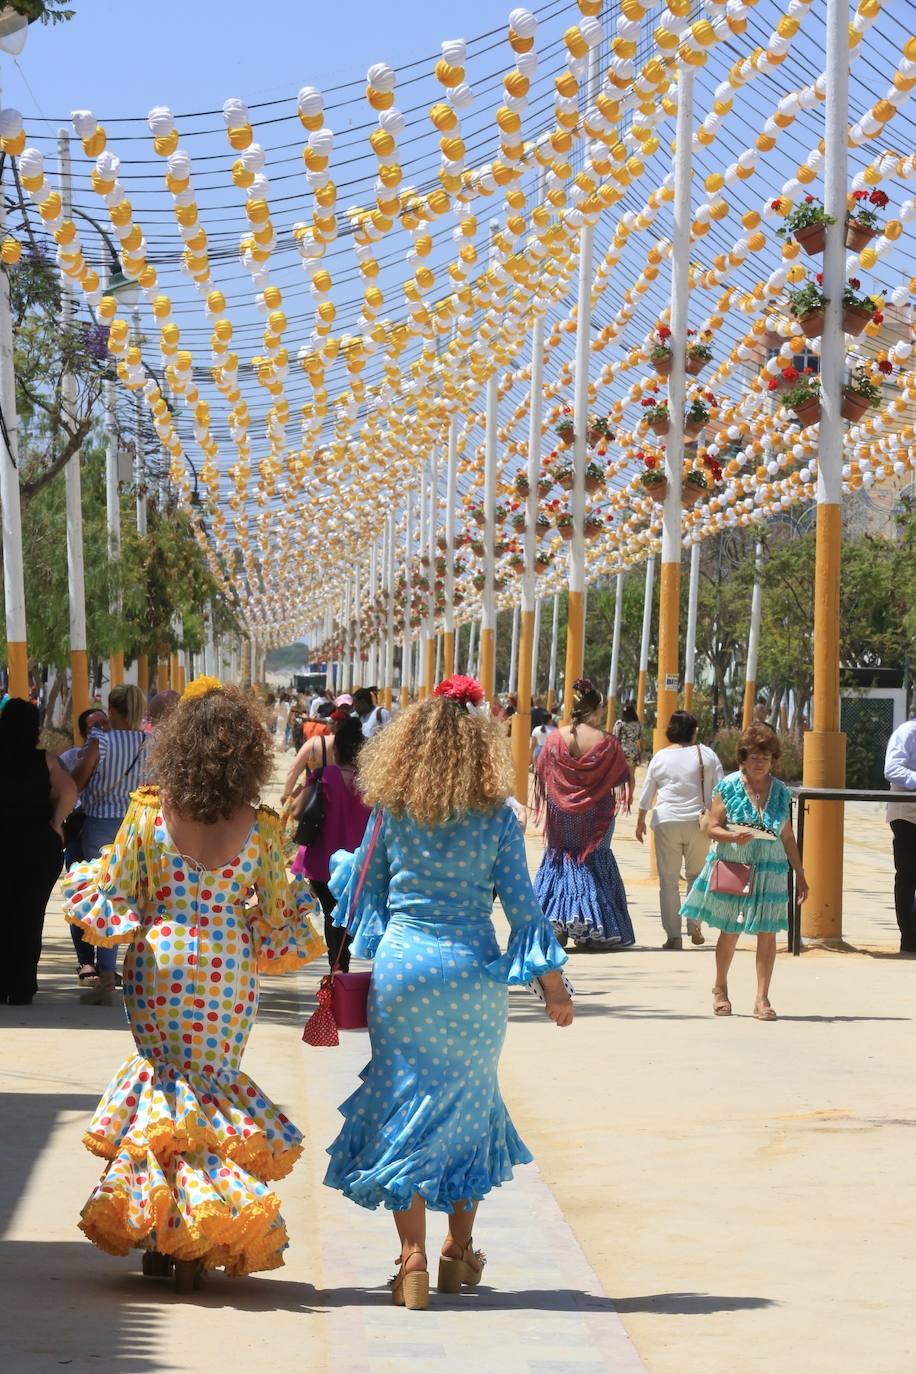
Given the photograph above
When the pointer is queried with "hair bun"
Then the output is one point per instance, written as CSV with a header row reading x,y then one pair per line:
x,y
583,685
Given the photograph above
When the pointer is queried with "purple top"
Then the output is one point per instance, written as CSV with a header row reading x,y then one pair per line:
x,y
344,825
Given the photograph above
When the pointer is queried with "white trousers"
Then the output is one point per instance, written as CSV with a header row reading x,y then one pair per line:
x,y
677,844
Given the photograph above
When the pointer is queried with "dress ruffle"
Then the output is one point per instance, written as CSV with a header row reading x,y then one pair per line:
x,y
372,921
585,899
532,952
104,914
370,1165
188,1166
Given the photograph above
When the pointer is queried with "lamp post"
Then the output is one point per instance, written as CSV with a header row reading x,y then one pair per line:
x,y
615,653
690,644
644,642
17,654
125,291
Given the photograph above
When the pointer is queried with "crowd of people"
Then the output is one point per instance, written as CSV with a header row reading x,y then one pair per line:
x,y
406,833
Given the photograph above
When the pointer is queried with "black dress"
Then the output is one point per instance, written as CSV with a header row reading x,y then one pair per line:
x,y
31,854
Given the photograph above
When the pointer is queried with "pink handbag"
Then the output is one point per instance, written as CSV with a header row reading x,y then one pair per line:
x,y
734,879
343,998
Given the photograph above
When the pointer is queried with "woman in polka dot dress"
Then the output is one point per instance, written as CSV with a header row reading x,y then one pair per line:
x,y
195,885
428,1127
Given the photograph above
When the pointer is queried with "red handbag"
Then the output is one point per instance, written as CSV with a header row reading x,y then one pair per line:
x,y
737,880
343,998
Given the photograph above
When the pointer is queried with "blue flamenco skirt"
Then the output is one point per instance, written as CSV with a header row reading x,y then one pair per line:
x,y
428,1118
584,899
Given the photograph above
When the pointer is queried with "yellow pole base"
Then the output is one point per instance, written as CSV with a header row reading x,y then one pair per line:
x,y
79,700
487,664
641,694
825,766
162,669
747,708
783,717
182,678
429,669
521,721
575,648
143,673
448,653
404,697
386,698
173,673
611,715
116,668
551,699
17,668
668,610
688,696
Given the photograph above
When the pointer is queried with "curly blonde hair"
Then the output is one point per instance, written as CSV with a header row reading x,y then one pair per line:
x,y
436,761
211,755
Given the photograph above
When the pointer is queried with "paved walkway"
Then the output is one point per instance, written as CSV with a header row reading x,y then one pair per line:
x,y
728,1195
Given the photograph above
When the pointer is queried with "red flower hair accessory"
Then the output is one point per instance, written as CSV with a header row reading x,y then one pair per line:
x,y
467,691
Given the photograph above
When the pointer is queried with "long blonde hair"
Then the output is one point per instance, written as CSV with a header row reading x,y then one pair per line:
x,y
435,762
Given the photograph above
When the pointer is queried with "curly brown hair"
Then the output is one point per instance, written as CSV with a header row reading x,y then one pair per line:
x,y
212,755
436,761
757,737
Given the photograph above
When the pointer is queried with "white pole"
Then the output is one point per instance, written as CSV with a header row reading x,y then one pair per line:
x,y
513,652
753,639
646,632
554,634
472,626
535,641
389,611
405,644
431,551
488,617
690,644
139,450
371,593
437,675
112,495
13,580
75,574
356,679
615,642
451,499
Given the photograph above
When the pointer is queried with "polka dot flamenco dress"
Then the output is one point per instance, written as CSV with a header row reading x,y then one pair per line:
x,y
191,1141
428,1118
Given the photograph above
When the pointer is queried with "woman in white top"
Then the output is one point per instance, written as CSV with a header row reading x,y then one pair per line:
x,y
679,781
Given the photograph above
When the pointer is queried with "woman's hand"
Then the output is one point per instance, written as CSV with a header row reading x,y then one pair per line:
x,y
801,887
742,837
557,1001
641,826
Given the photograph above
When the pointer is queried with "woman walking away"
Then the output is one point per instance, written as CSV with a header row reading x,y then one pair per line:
x,y
679,782
428,1127
191,1142
113,763
743,888
628,730
35,796
94,718
343,827
581,778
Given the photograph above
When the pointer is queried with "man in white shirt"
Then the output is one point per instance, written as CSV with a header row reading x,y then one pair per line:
x,y
539,736
371,717
900,771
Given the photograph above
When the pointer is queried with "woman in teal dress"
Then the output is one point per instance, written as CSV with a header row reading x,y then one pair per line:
x,y
428,1127
750,824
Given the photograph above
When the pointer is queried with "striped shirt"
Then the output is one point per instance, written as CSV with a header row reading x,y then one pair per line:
x,y
120,770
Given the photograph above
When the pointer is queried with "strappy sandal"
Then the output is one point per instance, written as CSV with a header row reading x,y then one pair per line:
x,y
467,1270
87,972
765,1013
721,1006
410,1288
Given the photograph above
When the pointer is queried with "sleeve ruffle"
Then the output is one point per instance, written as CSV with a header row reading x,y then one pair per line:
x,y
371,922
105,914
533,951
281,918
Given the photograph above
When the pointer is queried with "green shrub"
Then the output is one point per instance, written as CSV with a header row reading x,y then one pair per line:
x,y
788,767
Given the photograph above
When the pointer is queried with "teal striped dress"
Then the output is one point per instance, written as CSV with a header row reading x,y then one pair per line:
x,y
765,908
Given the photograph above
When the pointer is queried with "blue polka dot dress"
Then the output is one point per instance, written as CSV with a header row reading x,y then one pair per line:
x,y
428,1118
191,1141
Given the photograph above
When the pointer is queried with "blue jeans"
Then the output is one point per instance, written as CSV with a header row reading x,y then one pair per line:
x,y
97,832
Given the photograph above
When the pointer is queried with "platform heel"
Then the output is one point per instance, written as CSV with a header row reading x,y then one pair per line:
x,y
454,1274
411,1289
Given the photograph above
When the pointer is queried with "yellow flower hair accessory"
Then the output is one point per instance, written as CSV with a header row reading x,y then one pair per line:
x,y
201,687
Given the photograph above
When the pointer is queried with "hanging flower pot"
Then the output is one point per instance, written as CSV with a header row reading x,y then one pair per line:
x,y
692,491
661,426
542,523
854,406
813,238
566,529
855,318
858,235
812,325
566,479
693,427
594,436
657,489
695,364
479,581
541,565
592,484
808,412
592,527
663,365
566,433
478,516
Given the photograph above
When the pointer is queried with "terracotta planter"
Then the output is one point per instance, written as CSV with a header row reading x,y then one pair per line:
x,y
478,517
657,491
660,426
566,481
592,531
565,531
695,365
855,319
540,566
771,338
853,407
663,366
693,427
691,492
594,437
593,484
813,239
521,488
566,440
542,525
858,236
808,413
812,326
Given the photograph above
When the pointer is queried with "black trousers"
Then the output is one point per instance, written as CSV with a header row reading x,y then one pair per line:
x,y
30,876
905,882
335,937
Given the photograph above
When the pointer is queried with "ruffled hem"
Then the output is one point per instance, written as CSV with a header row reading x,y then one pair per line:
x,y
585,899
194,1207
367,931
371,1165
288,949
532,952
169,1113
104,916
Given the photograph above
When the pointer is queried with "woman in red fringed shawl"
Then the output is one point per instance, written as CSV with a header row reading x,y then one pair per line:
x,y
582,777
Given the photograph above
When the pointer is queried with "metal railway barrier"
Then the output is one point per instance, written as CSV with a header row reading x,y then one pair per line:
x,y
802,795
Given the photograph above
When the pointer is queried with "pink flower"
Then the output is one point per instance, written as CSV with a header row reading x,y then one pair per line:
x,y
464,690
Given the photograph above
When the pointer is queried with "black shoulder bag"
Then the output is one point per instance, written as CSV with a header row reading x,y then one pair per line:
x,y
311,816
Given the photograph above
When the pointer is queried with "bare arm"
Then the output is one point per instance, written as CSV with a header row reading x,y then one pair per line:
x,y
557,999
63,793
718,831
86,764
790,845
306,758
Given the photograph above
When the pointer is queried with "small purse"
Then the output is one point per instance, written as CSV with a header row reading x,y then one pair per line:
x,y
343,998
733,879
310,811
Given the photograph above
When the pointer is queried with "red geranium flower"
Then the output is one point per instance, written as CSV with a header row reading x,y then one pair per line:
x,y
819,279
771,384
878,317
775,204
886,366
789,374
854,283
878,198
809,200
664,332
860,195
